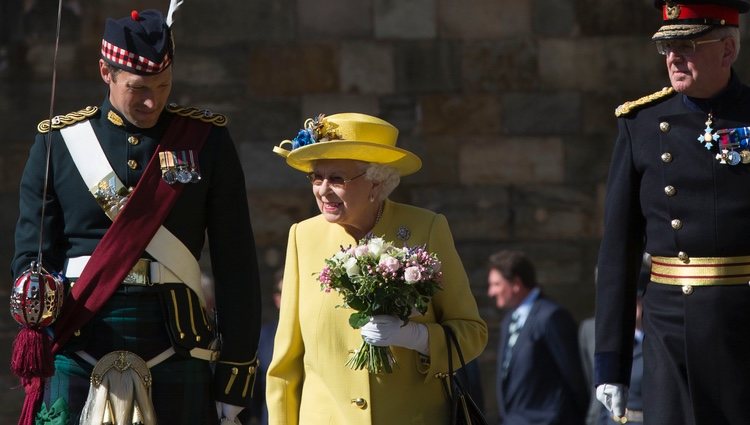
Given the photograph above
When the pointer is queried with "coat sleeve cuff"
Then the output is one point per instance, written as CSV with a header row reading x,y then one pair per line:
x,y
610,369
234,382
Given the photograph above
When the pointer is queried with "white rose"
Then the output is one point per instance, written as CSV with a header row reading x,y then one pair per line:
x,y
375,245
412,274
351,267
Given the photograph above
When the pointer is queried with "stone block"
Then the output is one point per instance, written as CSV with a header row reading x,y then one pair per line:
x,y
474,213
197,22
460,115
293,69
339,19
366,67
439,156
599,113
499,65
542,113
552,18
617,17
401,111
553,212
330,104
267,119
483,19
273,213
427,67
587,158
265,170
590,65
405,19
511,160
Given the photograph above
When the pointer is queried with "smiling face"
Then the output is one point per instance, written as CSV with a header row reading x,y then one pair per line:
x,y
704,73
346,204
507,293
140,98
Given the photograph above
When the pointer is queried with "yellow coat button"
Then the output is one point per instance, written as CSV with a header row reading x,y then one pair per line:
x,y
677,224
133,164
687,289
666,157
360,403
682,255
133,140
670,190
664,127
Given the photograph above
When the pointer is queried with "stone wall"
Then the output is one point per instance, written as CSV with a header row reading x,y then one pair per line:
x,y
508,102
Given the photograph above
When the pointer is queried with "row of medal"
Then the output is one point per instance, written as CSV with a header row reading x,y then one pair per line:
x,y
179,166
733,143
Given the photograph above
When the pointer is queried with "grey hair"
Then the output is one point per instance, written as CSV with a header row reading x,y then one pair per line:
x,y
729,32
386,175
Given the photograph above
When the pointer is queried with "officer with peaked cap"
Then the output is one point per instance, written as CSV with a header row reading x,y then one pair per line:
x,y
135,186
679,189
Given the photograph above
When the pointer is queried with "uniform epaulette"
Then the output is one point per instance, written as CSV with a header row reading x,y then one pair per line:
x,y
633,105
199,114
61,121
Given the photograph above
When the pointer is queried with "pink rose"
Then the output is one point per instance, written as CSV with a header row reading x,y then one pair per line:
x,y
389,264
412,274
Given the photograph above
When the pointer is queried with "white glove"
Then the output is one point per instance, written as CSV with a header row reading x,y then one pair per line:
x,y
614,397
385,330
228,413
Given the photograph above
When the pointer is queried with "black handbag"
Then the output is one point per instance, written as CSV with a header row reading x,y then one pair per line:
x,y
464,410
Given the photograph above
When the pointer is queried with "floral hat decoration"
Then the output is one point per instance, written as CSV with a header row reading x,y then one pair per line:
x,y
349,135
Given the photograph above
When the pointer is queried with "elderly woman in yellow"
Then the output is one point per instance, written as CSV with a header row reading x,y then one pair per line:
x,y
354,164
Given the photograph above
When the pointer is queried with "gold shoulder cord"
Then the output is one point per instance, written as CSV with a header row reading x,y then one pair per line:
x,y
204,115
633,105
61,121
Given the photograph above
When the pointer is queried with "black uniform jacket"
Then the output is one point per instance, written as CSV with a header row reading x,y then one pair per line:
x,y
215,207
666,194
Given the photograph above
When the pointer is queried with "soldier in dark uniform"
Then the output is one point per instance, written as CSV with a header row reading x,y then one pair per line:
x,y
679,189
155,315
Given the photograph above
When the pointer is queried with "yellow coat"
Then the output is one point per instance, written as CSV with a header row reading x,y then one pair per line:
x,y
308,382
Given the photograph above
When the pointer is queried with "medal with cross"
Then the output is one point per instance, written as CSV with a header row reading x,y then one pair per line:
x,y
707,137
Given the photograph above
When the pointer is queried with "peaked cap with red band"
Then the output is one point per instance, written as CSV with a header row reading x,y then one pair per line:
x,y
693,18
140,43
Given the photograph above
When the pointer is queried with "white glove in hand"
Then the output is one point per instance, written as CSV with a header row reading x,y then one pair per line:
x,y
385,330
614,397
228,413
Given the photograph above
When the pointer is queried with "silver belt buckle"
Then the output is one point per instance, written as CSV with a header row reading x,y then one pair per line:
x,y
140,274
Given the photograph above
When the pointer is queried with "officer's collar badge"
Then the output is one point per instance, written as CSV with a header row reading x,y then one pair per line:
x,y
115,119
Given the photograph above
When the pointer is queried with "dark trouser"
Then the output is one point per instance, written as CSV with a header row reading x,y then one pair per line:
x,y
696,351
132,320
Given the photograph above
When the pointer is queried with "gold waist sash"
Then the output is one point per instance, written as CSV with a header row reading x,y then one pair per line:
x,y
701,271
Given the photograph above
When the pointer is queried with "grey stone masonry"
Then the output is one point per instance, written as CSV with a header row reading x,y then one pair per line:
x,y
509,103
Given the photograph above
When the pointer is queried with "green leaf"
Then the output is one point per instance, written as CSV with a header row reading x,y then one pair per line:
x,y
358,319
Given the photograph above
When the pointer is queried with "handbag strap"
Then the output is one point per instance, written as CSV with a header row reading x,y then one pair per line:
x,y
451,341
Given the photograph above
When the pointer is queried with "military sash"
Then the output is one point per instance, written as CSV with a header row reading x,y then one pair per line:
x,y
102,182
130,234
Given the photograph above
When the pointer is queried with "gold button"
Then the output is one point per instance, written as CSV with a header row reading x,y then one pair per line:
x,y
670,190
235,371
77,333
677,224
133,164
666,157
664,127
682,255
687,289
360,403
197,338
182,335
133,140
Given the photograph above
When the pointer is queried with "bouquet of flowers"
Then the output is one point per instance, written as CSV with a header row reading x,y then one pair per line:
x,y
376,277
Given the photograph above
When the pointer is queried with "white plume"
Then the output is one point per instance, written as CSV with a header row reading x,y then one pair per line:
x,y
173,6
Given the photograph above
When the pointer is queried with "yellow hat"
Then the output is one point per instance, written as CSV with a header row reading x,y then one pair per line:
x,y
352,136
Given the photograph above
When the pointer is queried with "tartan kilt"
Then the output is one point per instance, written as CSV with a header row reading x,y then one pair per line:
x,y
132,320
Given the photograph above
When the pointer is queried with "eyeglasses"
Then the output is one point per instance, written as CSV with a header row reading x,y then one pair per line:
x,y
336,182
681,47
